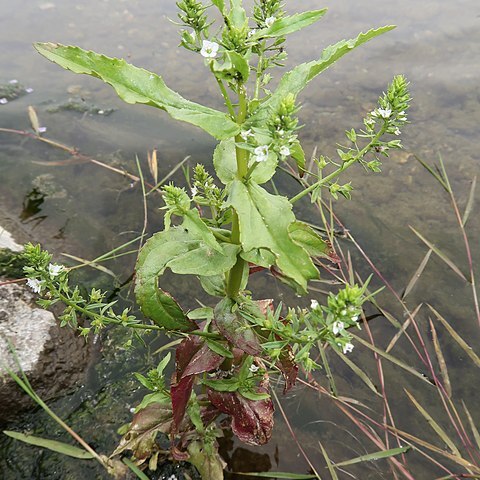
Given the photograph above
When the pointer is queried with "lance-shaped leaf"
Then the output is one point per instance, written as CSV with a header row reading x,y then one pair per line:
x,y
184,252
252,420
192,357
136,85
265,220
235,328
297,79
293,23
140,438
305,236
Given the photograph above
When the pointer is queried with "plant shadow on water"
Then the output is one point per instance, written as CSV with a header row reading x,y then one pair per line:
x,y
102,211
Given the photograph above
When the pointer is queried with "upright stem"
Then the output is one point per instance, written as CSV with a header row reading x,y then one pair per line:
x,y
236,273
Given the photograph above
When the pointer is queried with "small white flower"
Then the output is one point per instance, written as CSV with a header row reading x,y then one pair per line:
x,y
35,285
397,131
194,191
209,49
285,151
347,348
251,33
337,327
246,133
172,477
3,101
343,312
42,129
260,153
384,112
253,368
54,270
29,89
269,21
370,121
355,318
314,305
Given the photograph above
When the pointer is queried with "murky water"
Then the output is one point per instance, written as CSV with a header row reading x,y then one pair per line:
x,y
85,210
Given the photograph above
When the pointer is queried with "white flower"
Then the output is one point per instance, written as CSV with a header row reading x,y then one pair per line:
x,y
370,121
251,33
348,347
384,113
245,134
285,151
54,270
35,285
253,368
337,327
260,153
313,304
29,89
397,131
343,312
269,21
3,101
209,49
354,318
14,81
194,191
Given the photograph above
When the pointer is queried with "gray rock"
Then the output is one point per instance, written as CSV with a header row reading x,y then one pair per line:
x,y
53,358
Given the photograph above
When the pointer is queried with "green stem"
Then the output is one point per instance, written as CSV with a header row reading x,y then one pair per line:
x,y
339,170
236,273
228,102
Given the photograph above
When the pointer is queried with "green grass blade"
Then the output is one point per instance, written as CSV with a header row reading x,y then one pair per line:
x,y
53,445
330,465
134,469
359,372
471,197
392,359
438,252
463,344
472,426
417,274
435,426
441,360
374,456
402,329
432,172
328,371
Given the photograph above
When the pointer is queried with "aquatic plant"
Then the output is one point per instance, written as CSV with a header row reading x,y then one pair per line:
x,y
226,228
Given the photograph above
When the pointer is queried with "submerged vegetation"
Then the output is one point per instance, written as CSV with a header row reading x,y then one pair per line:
x,y
223,229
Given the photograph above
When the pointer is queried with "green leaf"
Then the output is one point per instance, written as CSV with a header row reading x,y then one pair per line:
x,y
305,236
134,469
184,252
240,64
297,79
217,347
220,4
264,223
374,456
229,385
293,23
54,445
214,285
297,153
252,395
201,313
237,15
136,85
225,163
260,256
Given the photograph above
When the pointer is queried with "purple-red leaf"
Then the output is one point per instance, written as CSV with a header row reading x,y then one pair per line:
x,y
236,329
288,368
252,421
192,357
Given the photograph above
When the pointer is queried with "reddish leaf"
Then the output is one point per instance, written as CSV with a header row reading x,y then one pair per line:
x,y
252,421
265,305
192,357
181,392
236,329
140,438
204,360
288,368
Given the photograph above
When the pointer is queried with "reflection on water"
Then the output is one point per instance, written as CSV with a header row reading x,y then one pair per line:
x,y
91,210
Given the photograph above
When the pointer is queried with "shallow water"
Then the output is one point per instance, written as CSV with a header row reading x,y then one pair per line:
x,y
85,210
